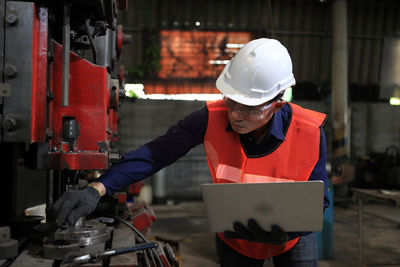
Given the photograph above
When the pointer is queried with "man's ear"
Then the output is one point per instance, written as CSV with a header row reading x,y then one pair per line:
x,y
278,105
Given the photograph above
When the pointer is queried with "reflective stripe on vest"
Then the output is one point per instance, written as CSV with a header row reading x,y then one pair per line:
x,y
293,160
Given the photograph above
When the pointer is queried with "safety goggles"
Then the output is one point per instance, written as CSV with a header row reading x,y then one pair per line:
x,y
248,112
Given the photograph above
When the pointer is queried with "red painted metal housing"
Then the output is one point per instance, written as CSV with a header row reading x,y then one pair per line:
x,y
89,90
112,125
39,70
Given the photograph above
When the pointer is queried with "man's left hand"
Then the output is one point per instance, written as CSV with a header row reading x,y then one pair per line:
x,y
253,232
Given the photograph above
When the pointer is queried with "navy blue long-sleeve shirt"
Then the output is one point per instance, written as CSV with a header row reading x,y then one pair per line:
x,y
188,133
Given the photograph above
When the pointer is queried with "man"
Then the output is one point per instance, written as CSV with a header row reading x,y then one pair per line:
x,y
249,136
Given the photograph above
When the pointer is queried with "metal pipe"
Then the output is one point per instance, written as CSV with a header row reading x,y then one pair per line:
x,y
65,62
95,257
340,113
360,230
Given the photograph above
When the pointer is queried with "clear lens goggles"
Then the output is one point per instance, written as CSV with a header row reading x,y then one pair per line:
x,y
249,112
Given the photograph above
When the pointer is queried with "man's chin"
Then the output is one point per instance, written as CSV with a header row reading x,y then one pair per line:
x,y
239,129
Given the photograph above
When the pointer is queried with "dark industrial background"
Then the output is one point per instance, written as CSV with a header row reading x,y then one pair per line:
x,y
305,28
346,61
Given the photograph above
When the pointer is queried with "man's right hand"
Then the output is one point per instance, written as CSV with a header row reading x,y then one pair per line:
x,y
74,204
253,232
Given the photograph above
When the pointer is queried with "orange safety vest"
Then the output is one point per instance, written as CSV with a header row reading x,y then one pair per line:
x,y
293,160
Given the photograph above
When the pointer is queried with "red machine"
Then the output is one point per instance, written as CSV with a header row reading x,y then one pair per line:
x,y
81,133
59,92
59,98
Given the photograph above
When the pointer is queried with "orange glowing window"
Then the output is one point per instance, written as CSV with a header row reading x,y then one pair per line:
x,y
192,60
198,54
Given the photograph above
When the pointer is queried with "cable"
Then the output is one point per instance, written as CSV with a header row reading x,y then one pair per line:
x,y
140,235
94,51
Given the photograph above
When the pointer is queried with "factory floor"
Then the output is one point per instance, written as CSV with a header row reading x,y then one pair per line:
x,y
186,224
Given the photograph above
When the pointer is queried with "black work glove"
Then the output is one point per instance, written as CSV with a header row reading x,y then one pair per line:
x,y
253,232
72,205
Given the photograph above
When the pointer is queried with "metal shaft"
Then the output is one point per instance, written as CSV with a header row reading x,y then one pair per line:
x,y
97,256
65,63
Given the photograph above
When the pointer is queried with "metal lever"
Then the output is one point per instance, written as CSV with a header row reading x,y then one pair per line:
x,y
94,257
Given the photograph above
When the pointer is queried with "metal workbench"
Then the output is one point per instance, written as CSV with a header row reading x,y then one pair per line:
x,y
386,197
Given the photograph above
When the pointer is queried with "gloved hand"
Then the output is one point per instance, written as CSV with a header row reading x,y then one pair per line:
x,y
72,205
253,232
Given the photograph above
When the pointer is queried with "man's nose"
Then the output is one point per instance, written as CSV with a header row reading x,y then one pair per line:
x,y
235,115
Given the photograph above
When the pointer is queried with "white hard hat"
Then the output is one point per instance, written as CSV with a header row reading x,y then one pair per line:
x,y
259,71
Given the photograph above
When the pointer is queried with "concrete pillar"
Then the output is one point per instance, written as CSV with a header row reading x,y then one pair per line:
x,y
341,143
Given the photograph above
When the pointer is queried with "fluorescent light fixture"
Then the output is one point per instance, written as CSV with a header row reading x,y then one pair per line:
x,y
395,101
218,62
188,97
234,45
136,90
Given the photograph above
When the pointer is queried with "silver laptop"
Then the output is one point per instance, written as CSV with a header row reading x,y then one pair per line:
x,y
294,206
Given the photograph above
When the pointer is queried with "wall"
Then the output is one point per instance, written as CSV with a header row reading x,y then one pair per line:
x,y
143,120
374,127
